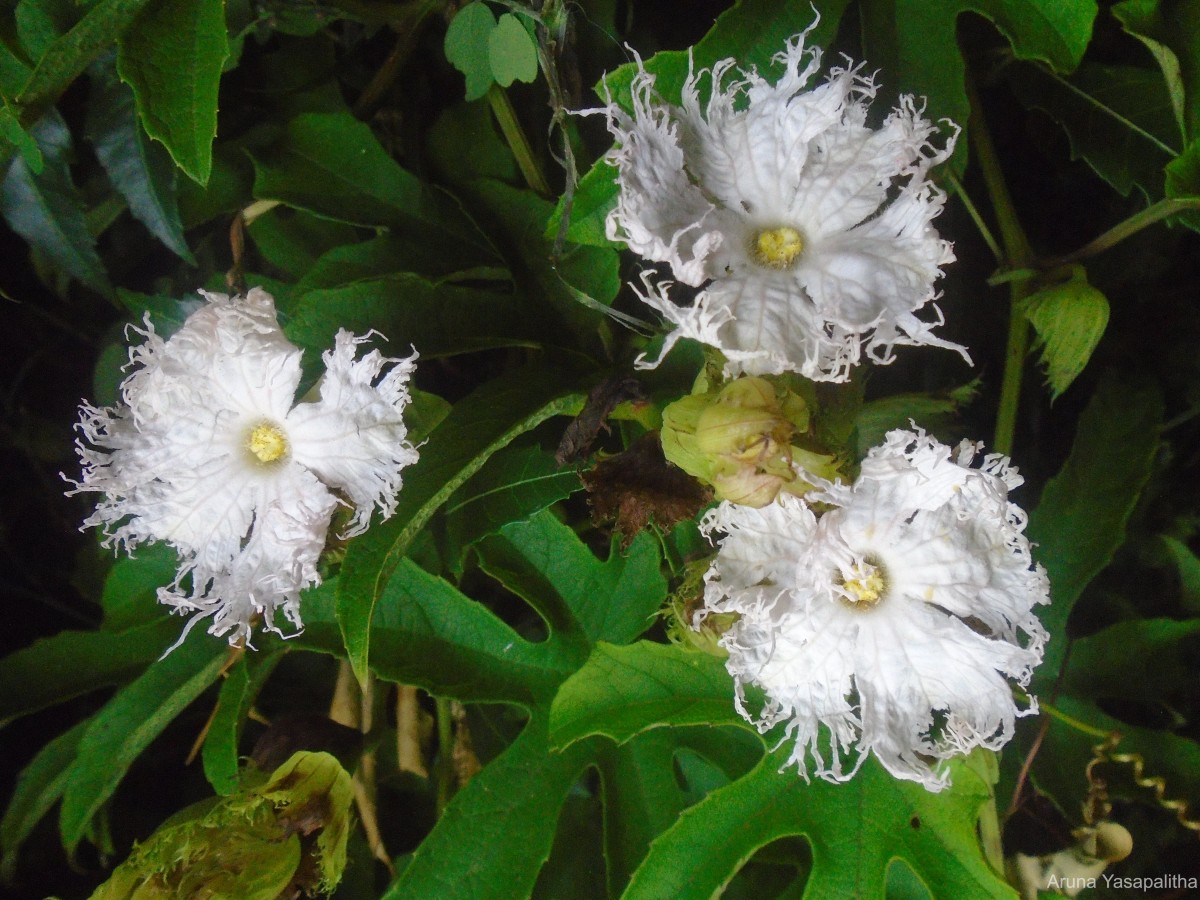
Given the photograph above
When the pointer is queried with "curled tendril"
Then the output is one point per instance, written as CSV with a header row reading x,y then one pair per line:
x,y
1097,806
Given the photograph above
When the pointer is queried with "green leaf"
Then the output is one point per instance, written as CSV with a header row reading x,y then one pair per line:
x,y
437,319
1066,751
751,32
467,47
130,596
1187,566
544,561
1069,319
595,197
331,164
1117,118
477,427
1183,181
914,46
172,56
642,799
1080,520
855,831
12,132
40,24
511,487
48,211
1152,660
1171,32
425,632
390,254
518,220
464,144
128,723
933,412
55,669
139,169
38,788
238,692
512,52
68,56
622,691
497,832
291,240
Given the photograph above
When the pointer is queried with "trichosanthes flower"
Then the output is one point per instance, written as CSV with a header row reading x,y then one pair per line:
x,y
893,622
210,452
808,230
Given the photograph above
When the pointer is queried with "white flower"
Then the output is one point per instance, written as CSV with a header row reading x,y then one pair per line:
x,y
808,230
210,453
891,623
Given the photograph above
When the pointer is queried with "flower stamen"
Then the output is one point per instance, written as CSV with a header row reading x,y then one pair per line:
x,y
778,248
267,443
865,587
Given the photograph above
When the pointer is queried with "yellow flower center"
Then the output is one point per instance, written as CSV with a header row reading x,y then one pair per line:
x,y
866,586
777,248
267,442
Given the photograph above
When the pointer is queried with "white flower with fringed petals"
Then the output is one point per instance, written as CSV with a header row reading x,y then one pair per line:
x,y
210,453
808,231
893,622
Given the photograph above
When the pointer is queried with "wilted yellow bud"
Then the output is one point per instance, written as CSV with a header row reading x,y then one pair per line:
x,y
742,440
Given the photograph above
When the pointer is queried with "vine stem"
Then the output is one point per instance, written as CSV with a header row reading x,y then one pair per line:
x,y
1018,255
445,764
1155,212
514,134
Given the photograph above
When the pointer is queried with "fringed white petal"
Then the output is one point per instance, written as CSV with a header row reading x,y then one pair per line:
x,y
354,437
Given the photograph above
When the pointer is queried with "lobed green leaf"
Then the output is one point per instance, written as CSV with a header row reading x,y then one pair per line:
x,y
855,831
478,426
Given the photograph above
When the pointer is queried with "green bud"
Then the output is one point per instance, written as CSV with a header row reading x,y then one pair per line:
x,y
681,610
742,439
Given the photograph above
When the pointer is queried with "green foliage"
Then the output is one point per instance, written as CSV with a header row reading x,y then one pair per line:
x,y
855,831
125,727
172,56
251,843
1080,520
324,152
46,209
138,168
488,51
1069,319
477,427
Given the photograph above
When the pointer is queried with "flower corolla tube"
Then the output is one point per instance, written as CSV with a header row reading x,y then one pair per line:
x,y
890,624
209,452
808,230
